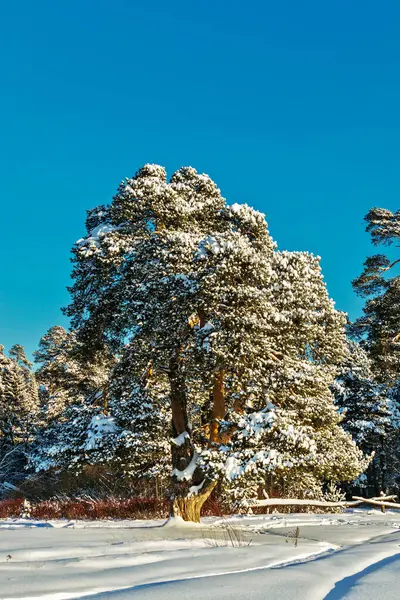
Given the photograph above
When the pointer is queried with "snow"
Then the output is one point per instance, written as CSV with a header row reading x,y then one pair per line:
x,y
180,439
100,425
179,523
352,555
214,245
186,474
195,489
232,468
95,234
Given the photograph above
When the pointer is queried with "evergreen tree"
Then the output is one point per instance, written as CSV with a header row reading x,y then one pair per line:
x,y
378,331
379,327
292,443
73,393
64,375
18,411
369,414
191,292
19,397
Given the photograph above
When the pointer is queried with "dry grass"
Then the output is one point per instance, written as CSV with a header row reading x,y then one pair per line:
x,y
226,534
294,535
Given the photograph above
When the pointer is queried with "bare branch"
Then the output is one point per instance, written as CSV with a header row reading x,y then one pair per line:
x,y
389,266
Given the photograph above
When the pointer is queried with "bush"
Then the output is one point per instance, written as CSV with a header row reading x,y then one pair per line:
x,y
11,508
82,508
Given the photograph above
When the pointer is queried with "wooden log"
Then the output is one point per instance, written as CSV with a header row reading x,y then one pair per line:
x,y
376,502
384,498
298,502
381,502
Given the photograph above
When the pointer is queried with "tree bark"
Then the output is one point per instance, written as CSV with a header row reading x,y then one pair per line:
x,y
189,507
184,504
182,453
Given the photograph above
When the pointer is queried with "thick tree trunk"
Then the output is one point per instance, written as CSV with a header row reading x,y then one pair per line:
x,y
189,507
182,452
185,504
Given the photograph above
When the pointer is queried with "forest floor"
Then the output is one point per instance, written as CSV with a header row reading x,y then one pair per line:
x,y
354,555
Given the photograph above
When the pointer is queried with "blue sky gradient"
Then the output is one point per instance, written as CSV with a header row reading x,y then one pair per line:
x,y
290,106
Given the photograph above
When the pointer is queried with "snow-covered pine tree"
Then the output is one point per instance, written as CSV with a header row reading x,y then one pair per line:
x,y
378,330
290,441
369,414
19,395
379,327
83,423
54,372
6,413
138,447
73,394
19,407
137,263
184,285
64,375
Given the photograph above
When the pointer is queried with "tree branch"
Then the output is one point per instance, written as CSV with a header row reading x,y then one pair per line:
x,y
390,266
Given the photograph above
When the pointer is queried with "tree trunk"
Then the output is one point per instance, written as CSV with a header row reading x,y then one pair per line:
x,y
184,504
182,453
189,507
105,400
383,466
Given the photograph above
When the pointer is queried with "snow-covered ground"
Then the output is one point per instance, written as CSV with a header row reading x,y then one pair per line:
x,y
355,555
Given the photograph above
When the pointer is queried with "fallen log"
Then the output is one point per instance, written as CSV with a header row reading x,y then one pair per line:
x,y
380,503
384,498
298,502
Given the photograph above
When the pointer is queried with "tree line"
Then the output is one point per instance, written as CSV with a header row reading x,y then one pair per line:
x,y
203,358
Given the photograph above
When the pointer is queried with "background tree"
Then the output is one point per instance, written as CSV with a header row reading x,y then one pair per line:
x,y
65,375
378,330
369,414
19,408
74,401
379,327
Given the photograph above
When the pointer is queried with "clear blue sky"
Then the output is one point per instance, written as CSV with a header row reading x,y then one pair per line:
x,y
291,106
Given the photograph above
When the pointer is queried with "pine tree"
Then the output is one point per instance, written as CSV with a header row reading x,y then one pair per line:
x,y
244,339
379,327
369,414
378,331
290,441
139,445
64,375
73,393
18,411
19,396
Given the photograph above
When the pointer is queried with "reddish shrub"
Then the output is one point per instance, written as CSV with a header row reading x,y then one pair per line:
x,y
110,508
11,508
